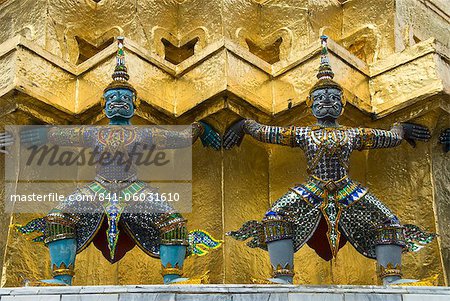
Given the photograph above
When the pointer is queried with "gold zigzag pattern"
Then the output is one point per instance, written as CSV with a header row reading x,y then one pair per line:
x,y
215,53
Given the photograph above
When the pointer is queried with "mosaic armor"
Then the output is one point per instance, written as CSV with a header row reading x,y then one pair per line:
x,y
109,218
330,208
140,222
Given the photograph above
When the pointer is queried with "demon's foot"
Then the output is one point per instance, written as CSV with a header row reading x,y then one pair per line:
x,y
400,282
178,280
46,282
280,280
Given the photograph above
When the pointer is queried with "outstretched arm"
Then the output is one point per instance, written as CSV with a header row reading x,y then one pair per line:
x,y
367,138
269,133
40,135
171,139
63,136
291,136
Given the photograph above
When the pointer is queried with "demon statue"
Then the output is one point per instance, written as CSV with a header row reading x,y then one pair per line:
x,y
113,226
329,209
444,139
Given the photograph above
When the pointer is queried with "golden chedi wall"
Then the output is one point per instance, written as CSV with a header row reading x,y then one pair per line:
x,y
225,59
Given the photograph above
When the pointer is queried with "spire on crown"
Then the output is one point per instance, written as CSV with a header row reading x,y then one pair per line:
x,y
325,74
120,75
120,71
325,71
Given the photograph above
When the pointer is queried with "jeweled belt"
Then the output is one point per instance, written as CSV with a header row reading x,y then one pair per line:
x,y
316,190
330,185
118,183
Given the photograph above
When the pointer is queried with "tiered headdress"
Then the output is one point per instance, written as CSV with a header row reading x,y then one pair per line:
x,y
325,74
120,75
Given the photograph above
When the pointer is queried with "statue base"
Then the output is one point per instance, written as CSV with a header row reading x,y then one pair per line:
x,y
219,292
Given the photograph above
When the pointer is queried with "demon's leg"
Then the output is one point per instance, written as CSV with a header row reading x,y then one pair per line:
x,y
62,244
389,245
280,246
172,250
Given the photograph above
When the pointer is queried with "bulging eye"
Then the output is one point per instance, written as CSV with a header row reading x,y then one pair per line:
x,y
335,96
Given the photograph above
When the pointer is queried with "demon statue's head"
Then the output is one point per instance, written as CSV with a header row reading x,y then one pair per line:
x,y
326,96
119,98
119,103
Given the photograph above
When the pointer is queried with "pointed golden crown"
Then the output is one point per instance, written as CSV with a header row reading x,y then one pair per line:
x,y
325,74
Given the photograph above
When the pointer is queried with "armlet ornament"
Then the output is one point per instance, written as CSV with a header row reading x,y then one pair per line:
x,y
279,270
390,234
173,230
276,227
367,138
389,270
59,226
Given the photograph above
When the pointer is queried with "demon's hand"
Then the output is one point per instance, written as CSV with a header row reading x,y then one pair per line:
x,y
34,136
210,137
234,134
414,132
444,139
6,139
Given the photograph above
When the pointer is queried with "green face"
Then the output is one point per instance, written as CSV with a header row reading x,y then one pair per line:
x,y
327,103
119,103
